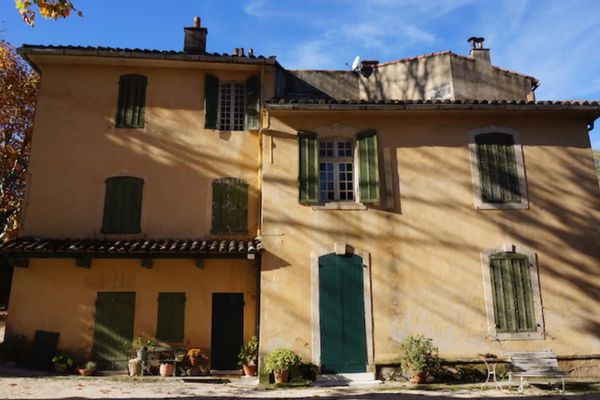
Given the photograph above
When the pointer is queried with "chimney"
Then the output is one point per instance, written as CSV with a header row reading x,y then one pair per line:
x,y
480,54
195,38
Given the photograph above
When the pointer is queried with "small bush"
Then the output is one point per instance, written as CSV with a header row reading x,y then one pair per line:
x,y
419,355
281,360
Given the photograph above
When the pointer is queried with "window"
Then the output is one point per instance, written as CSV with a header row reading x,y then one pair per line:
x,y
232,106
230,206
171,317
336,170
328,169
122,205
497,165
131,102
514,305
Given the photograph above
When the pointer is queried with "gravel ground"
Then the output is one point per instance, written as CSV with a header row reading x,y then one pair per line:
x,y
73,387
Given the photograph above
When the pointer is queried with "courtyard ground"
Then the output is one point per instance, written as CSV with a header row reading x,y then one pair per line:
x,y
27,384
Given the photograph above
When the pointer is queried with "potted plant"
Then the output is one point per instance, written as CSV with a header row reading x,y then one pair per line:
x,y
279,362
196,356
419,358
141,344
88,369
248,356
62,363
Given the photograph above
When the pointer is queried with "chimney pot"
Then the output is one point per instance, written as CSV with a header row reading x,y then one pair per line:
x,y
196,22
241,52
480,54
250,52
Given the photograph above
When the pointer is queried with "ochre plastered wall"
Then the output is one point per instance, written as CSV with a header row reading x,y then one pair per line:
x,y
76,147
54,295
426,270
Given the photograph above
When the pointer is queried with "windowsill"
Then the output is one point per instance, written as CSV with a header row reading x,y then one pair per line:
x,y
339,205
502,206
506,336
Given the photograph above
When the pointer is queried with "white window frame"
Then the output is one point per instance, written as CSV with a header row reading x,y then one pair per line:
x,y
336,160
476,178
539,334
232,105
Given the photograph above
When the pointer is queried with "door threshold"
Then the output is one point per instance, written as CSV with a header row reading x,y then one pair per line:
x,y
223,372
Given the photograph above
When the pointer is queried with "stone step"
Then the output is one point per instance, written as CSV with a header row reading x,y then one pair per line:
x,y
362,378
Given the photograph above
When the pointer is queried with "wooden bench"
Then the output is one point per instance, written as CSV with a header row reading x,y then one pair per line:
x,y
534,364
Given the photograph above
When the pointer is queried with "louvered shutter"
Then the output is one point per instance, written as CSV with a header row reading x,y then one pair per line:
x,y
497,168
230,206
171,317
131,103
512,293
122,205
308,180
211,101
252,115
368,162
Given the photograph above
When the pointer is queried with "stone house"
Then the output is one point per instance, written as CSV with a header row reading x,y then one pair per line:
x,y
203,198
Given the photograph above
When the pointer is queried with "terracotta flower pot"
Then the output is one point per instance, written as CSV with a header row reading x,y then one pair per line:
x,y
421,377
86,371
281,376
249,370
166,369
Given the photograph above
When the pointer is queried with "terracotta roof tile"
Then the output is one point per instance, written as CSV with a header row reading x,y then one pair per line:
x,y
295,100
39,247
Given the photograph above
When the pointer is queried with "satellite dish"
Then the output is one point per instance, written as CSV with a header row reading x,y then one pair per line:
x,y
356,63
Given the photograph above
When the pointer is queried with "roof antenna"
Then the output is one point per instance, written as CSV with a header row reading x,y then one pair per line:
x,y
355,64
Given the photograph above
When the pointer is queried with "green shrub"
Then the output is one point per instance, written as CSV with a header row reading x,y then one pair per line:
x,y
281,360
419,355
144,341
249,352
90,365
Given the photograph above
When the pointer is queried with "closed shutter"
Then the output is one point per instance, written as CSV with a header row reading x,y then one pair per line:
x,y
230,206
252,114
368,162
497,168
122,205
512,293
211,101
308,181
132,101
171,317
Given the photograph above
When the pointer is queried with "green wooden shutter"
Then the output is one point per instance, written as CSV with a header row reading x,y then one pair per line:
x,y
230,206
131,103
211,101
308,179
368,162
171,317
252,116
512,293
497,168
122,205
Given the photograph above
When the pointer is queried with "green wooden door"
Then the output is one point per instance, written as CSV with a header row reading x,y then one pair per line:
x,y
114,329
342,314
227,330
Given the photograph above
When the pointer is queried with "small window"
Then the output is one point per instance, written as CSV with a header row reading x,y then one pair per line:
x,y
231,107
512,295
336,170
498,171
131,102
171,317
230,206
122,205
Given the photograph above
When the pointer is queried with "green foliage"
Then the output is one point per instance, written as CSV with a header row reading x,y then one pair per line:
x,y
249,352
281,360
144,341
14,348
90,365
419,355
63,359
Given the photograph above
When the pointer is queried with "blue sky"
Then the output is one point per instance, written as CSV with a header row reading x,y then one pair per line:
x,y
556,41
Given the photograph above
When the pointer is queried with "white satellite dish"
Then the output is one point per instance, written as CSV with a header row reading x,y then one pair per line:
x,y
356,63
